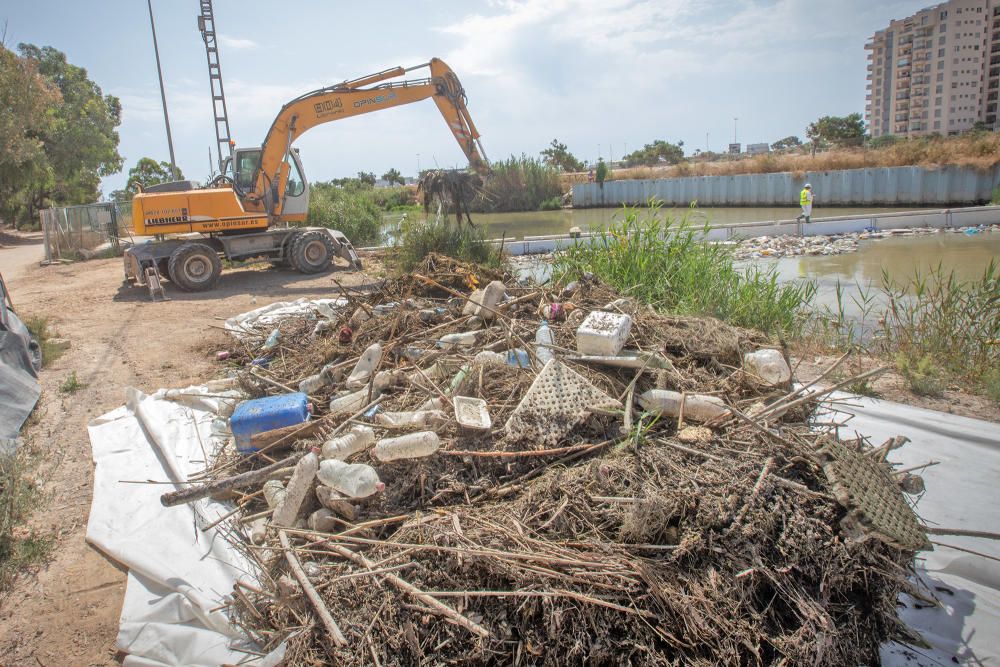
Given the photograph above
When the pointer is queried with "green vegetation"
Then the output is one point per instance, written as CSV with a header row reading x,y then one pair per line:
x,y
418,238
552,204
787,142
146,172
656,153
837,131
352,209
58,131
602,172
558,156
996,196
71,384
393,176
51,349
17,496
935,328
517,184
667,264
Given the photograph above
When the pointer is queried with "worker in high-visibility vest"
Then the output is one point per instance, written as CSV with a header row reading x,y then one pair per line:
x,y
806,202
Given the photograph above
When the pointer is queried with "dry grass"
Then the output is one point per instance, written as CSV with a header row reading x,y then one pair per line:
x,y
976,150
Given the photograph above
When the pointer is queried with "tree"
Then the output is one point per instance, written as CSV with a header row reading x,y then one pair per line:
x,y
25,97
393,176
557,155
146,172
81,141
601,173
837,131
787,142
655,153
367,177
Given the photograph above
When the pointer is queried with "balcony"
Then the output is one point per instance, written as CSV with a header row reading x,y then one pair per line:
x,y
903,62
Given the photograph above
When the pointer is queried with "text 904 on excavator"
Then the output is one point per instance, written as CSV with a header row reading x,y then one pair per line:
x,y
245,212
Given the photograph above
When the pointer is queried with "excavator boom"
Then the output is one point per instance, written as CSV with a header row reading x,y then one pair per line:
x,y
353,98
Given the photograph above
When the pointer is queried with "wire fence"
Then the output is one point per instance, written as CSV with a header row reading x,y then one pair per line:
x,y
84,232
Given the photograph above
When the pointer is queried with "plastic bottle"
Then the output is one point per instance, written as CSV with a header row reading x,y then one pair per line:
x,y
518,358
322,520
409,446
417,418
312,384
451,341
456,382
357,439
272,339
358,317
332,500
365,366
354,480
697,407
432,404
298,487
491,298
544,338
274,493
769,365
349,403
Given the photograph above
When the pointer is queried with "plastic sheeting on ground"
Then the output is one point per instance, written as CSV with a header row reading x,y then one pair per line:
x,y
275,312
20,361
962,493
178,573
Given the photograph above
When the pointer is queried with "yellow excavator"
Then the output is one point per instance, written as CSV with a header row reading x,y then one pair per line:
x,y
244,212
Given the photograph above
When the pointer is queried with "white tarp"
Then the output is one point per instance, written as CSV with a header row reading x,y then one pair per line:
x,y
279,310
962,493
178,574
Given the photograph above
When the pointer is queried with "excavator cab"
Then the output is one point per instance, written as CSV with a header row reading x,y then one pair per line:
x,y
247,162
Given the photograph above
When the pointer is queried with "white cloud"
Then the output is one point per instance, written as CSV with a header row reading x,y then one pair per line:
x,y
236,42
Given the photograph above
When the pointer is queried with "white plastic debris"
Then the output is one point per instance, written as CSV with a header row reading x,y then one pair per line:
x,y
357,439
298,487
354,480
697,407
412,418
409,446
603,333
769,365
365,367
472,413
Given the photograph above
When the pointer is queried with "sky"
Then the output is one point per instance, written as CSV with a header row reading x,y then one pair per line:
x,y
602,76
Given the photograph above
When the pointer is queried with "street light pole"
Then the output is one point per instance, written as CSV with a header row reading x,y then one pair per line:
x,y
163,94
734,130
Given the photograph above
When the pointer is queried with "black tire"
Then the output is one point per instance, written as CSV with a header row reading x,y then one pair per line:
x,y
312,252
194,267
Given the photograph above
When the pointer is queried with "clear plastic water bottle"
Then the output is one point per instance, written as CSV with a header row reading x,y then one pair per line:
x,y
272,339
354,480
409,446
543,339
298,487
340,448
365,367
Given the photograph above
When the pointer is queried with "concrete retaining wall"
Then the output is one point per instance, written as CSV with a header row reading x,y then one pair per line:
x,y
940,219
888,186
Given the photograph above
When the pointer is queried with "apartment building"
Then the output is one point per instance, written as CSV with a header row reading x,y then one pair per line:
x,y
937,71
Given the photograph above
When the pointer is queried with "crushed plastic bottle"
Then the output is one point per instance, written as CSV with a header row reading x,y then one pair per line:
x,y
349,403
322,520
451,341
298,487
543,339
272,339
489,358
518,358
365,367
413,418
356,440
697,407
409,446
354,480
330,499
769,365
274,493
491,298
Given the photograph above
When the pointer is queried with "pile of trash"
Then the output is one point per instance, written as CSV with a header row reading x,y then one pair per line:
x,y
455,469
791,246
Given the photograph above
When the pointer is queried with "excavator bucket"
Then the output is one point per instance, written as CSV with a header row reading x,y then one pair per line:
x,y
345,249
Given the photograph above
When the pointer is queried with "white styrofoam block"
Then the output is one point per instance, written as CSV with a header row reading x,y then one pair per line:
x,y
603,333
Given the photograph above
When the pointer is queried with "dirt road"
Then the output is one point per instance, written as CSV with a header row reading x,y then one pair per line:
x,y
66,613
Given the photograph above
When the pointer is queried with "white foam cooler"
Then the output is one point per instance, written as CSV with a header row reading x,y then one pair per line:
x,y
603,333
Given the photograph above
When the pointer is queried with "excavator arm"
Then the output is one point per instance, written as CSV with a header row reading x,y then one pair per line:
x,y
353,98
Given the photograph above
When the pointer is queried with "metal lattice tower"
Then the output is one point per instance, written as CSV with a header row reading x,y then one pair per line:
x,y
206,24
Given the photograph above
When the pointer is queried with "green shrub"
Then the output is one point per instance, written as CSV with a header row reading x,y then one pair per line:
x,y
351,210
668,264
922,376
418,238
40,331
551,204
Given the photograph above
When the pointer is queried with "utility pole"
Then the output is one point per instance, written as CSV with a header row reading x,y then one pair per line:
x,y
163,94
706,142
418,165
734,130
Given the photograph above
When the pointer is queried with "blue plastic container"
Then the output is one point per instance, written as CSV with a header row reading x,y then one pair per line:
x,y
266,414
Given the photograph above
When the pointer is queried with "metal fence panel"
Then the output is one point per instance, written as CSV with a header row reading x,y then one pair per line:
x,y
81,232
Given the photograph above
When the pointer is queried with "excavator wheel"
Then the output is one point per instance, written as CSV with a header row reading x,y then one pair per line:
x,y
312,252
194,267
